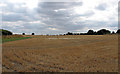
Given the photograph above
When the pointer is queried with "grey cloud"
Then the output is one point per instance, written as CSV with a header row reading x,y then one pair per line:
x,y
34,26
102,6
12,14
13,17
58,5
61,20
47,8
11,7
46,13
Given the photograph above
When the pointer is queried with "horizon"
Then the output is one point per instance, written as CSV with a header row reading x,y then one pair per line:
x,y
61,33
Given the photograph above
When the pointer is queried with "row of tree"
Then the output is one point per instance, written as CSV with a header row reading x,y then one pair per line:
x,y
6,32
31,34
91,32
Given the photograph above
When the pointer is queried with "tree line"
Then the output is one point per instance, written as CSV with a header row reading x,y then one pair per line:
x,y
6,32
90,32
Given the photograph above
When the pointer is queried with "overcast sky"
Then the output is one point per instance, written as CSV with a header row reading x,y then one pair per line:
x,y
60,17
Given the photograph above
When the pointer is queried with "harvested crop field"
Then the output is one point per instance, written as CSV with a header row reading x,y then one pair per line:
x,y
75,53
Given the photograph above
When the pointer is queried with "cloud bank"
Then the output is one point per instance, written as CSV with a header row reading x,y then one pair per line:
x,y
58,17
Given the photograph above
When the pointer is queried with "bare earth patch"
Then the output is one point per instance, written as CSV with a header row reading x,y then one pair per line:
x,y
82,53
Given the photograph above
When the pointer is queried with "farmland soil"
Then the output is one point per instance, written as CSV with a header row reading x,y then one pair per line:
x,y
79,53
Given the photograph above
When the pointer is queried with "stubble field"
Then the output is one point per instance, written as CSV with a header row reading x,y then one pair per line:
x,y
76,53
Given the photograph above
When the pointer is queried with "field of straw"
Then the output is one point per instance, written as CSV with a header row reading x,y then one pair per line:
x,y
76,53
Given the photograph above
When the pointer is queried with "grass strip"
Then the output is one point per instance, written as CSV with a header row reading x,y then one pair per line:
x,y
12,39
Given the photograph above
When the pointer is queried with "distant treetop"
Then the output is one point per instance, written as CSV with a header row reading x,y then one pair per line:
x,y
118,31
91,32
103,31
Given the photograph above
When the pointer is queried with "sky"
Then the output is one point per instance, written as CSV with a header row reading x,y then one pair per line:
x,y
58,17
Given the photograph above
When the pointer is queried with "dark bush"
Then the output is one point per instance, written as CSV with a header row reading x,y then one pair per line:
x,y
23,33
83,33
69,33
113,32
76,34
5,32
33,33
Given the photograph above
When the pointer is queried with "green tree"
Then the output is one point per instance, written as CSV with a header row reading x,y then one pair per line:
x,y
90,32
118,31
113,32
103,31
23,33
33,33
69,33
5,32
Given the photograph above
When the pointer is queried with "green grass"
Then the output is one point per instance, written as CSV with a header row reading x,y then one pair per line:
x,y
12,39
